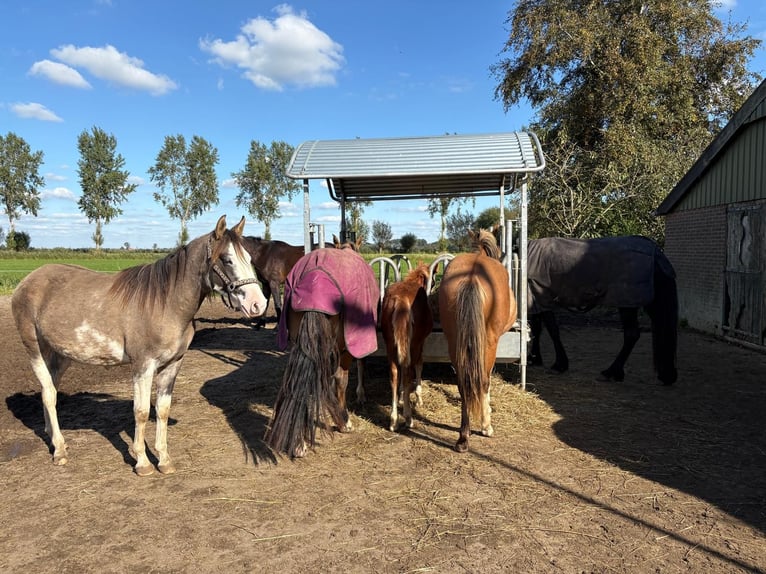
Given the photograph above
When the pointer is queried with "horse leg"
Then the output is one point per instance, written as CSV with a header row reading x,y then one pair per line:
x,y
536,329
393,369
419,383
267,292
142,389
165,382
407,384
360,396
277,297
630,336
49,372
561,364
341,383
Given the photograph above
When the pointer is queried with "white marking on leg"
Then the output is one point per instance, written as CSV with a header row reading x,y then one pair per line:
x,y
49,396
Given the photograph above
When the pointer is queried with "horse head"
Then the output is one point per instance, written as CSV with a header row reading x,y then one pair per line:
x,y
231,270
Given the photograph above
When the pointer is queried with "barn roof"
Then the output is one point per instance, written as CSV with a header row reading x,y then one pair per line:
x,y
414,167
744,116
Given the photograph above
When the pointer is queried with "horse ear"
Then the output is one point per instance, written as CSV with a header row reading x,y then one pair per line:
x,y
359,244
239,227
220,227
335,240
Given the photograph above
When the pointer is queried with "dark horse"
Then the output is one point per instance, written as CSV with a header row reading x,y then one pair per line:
x,y
627,272
141,315
330,314
272,260
476,306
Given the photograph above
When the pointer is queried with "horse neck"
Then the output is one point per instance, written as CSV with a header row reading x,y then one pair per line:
x,y
193,276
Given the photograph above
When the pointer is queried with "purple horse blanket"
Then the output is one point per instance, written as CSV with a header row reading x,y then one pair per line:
x,y
335,281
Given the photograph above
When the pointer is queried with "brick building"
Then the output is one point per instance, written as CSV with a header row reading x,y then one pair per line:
x,y
715,230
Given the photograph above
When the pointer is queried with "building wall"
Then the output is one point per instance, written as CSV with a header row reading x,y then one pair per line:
x,y
695,243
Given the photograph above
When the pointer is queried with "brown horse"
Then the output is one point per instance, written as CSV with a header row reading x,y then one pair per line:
x,y
476,306
141,315
406,321
272,260
331,299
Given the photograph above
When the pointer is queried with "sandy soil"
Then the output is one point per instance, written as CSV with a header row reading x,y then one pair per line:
x,y
581,475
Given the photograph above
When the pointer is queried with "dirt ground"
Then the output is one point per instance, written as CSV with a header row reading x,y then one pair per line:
x,y
581,476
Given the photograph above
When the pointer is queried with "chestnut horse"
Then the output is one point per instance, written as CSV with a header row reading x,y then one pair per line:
x,y
406,321
141,315
330,314
476,306
272,260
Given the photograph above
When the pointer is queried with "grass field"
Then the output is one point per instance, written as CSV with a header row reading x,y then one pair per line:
x,y
14,266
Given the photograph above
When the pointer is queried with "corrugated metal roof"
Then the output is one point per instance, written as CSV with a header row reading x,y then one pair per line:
x,y
397,168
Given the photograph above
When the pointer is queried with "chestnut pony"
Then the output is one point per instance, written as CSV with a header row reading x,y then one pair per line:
x,y
406,321
476,306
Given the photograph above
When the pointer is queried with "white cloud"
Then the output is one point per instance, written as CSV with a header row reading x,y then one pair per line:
x,y
288,51
108,64
54,177
58,193
59,74
35,111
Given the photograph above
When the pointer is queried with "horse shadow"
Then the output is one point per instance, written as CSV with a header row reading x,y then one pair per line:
x,y
109,416
243,394
698,436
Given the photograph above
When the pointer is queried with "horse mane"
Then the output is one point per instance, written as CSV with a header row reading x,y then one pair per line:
x,y
148,284
485,241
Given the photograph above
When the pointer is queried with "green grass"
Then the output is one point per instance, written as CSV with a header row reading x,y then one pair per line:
x,y
14,266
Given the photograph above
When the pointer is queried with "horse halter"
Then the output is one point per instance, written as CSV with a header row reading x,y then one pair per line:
x,y
228,285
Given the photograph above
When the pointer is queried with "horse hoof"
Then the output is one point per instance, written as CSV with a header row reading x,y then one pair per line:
x,y
300,451
461,445
489,431
60,460
144,470
167,468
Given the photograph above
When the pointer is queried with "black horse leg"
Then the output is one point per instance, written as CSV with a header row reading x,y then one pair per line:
x,y
561,363
536,329
630,336
266,289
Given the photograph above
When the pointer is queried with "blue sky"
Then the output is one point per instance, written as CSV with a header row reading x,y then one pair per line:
x,y
233,72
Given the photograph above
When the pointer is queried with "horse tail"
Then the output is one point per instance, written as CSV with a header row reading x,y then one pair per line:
x,y
663,312
402,322
307,389
471,343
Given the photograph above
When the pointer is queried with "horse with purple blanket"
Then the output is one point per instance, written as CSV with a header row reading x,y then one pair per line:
x,y
330,316
627,272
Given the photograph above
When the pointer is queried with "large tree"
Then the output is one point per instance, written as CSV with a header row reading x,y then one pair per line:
x,y
186,178
102,179
20,179
627,95
263,181
381,234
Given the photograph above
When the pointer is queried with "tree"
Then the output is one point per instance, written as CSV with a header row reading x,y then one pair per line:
x,y
263,181
103,183
458,225
20,180
19,240
186,178
627,96
355,225
381,234
407,242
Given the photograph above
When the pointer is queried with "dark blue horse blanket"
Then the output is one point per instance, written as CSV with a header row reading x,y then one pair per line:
x,y
584,273
334,281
